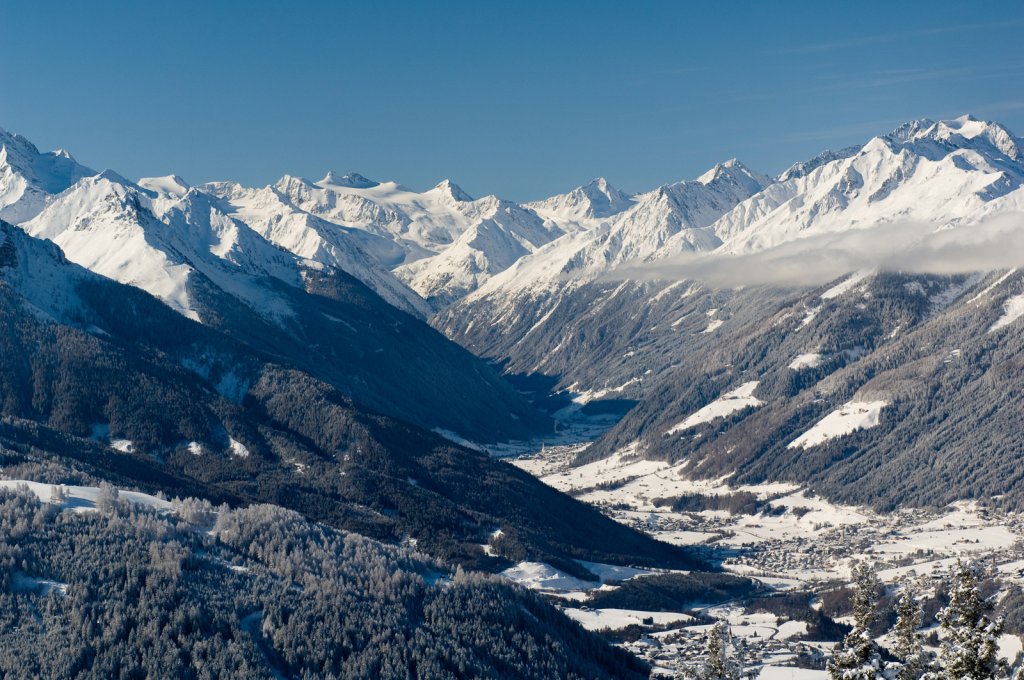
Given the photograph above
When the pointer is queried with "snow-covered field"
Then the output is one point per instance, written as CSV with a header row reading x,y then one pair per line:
x,y
730,402
851,417
616,619
83,498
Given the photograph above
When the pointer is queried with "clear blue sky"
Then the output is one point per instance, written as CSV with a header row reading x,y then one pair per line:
x,y
521,99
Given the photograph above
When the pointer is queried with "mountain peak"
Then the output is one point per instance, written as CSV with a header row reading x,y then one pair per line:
x,y
171,186
600,184
451,190
735,172
596,199
352,180
114,178
966,131
804,168
721,169
910,130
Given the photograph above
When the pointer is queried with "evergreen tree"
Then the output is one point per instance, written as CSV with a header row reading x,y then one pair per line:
x,y
970,645
906,640
858,657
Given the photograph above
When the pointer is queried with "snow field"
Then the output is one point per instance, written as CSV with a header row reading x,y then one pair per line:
x,y
851,417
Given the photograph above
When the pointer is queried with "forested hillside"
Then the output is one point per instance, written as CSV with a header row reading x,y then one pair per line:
x,y
108,364
130,591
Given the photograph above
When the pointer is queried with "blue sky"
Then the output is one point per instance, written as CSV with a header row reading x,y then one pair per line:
x,y
520,99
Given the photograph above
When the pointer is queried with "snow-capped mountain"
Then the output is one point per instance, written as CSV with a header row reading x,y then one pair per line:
x,y
501,233
160,240
361,252
595,200
187,248
440,242
28,177
679,213
776,383
944,173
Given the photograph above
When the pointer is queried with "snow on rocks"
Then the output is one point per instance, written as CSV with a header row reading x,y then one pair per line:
x,y
237,448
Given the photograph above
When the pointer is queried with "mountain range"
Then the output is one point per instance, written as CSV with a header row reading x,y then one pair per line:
x,y
343,355
339,278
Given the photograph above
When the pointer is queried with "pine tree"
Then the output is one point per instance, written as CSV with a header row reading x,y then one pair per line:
x,y
970,646
906,640
858,657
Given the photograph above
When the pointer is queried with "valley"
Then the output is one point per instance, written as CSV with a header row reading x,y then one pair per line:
x,y
646,413
788,539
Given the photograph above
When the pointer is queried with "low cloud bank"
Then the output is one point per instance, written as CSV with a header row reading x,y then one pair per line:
x,y
994,243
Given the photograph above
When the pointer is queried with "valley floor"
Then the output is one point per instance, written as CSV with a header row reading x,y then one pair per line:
x,y
785,537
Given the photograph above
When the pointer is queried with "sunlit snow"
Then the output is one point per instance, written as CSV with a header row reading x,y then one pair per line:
x,y
730,402
853,416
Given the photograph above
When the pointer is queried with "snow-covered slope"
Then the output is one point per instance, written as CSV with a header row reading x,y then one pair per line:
x,y
40,275
501,233
311,235
28,177
946,174
596,200
159,241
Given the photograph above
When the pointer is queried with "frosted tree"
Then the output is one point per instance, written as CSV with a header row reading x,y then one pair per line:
x,y
717,664
906,644
107,498
858,657
57,494
970,645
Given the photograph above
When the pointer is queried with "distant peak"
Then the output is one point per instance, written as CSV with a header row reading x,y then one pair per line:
x,y
114,178
966,130
352,180
733,171
601,184
720,169
450,188
804,168
170,185
911,129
